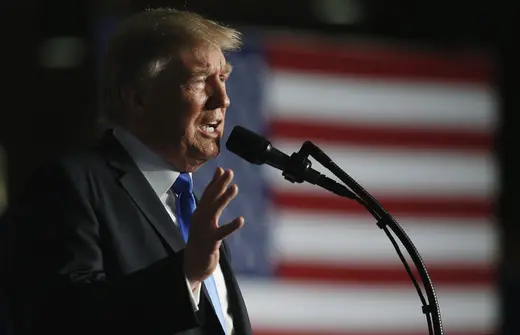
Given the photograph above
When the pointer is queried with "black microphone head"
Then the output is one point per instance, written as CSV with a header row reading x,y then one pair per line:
x,y
247,144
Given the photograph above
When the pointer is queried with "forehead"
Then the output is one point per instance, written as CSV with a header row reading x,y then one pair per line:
x,y
204,58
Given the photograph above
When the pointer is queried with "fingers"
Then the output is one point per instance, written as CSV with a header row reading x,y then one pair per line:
x,y
218,173
216,177
228,229
221,184
217,185
216,197
229,194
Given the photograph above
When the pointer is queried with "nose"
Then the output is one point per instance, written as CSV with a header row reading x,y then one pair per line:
x,y
218,96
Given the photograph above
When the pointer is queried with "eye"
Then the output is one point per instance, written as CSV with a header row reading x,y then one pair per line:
x,y
223,78
196,84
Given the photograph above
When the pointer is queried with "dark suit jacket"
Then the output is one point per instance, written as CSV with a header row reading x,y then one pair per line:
x,y
91,249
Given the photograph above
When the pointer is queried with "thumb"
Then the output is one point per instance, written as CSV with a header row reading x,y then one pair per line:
x,y
227,229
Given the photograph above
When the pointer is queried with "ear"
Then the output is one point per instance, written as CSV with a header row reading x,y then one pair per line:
x,y
132,99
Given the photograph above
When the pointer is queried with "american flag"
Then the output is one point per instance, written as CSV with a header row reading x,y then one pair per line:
x,y
414,127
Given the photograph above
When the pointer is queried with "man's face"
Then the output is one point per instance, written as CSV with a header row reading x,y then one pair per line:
x,y
183,110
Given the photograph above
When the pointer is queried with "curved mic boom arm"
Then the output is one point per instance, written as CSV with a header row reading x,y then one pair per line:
x,y
299,163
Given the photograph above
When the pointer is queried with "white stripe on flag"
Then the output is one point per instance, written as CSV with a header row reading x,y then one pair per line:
x,y
395,172
390,102
286,305
356,240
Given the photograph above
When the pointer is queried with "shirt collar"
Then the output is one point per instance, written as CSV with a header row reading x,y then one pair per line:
x,y
159,174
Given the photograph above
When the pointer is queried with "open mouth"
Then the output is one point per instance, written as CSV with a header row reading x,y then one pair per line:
x,y
210,128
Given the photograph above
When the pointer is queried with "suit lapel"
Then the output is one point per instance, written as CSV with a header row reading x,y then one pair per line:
x,y
140,191
143,196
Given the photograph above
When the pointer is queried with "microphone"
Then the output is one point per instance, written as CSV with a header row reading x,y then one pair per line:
x,y
256,149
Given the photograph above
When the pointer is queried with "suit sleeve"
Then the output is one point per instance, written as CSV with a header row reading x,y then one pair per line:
x,y
56,272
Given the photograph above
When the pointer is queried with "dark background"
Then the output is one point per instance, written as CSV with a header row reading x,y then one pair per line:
x,y
47,111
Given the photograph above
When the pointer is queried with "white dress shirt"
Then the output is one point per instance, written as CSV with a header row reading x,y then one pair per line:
x,y
161,177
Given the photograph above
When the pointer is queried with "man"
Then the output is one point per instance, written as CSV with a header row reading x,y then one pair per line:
x,y
106,241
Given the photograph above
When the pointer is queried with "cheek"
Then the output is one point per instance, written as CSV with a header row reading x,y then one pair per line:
x,y
174,109
197,99
193,105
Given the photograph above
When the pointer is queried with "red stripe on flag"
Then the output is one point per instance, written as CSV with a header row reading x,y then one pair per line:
x,y
460,275
381,136
381,62
264,331
397,206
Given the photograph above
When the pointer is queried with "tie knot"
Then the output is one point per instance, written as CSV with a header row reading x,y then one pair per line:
x,y
183,184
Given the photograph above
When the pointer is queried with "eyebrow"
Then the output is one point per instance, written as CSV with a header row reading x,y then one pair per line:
x,y
227,68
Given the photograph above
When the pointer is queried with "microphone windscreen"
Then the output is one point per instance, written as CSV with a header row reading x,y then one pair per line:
x,y
248,145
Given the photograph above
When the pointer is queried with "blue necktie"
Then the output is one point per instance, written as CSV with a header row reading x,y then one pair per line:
x,y
185,204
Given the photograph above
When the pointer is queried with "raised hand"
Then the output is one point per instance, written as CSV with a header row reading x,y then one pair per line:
x,y
201,254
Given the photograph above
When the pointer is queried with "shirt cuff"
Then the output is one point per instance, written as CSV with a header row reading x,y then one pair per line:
x,y
194,295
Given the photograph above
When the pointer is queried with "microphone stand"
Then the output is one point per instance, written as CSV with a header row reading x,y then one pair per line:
x,y
294,172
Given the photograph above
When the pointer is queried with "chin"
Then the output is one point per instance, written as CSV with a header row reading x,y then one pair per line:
x,y
193,166
209,150
197,158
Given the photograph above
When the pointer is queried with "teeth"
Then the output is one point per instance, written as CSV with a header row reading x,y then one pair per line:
x,y
208,129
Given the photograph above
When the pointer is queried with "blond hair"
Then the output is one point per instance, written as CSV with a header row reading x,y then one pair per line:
x,y
143,44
